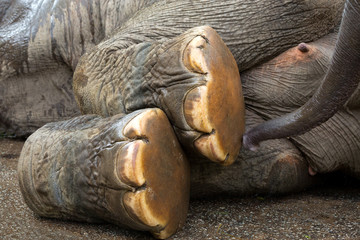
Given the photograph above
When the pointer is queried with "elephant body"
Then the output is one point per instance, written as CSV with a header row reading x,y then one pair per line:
x,y
42,41
38,58
282,50
339,83
40,52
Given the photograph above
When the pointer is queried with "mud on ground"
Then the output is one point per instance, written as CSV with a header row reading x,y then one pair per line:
x,y
326,212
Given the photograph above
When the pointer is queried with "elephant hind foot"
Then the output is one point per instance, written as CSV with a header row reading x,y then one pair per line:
x,y
216,108
155,166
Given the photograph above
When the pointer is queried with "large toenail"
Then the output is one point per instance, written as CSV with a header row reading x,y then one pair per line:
x,y
196,111
215,108
155,163
130,167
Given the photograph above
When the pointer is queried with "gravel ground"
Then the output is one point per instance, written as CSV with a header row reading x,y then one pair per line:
x,y
331,212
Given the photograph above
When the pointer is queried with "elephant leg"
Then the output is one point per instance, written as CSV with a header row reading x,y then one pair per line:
x,y
277,167
32,100
193,78
129,170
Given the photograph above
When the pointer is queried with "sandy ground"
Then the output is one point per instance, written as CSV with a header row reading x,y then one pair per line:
x,y
327,212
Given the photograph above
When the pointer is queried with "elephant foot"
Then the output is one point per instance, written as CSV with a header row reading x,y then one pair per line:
x,y
215,108
154,165
129,170
193,78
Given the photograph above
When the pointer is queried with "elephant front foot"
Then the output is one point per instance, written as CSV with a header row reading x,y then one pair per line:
x,y
214,108
193,78
128,170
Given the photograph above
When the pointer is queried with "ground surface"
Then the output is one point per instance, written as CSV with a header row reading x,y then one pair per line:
x,y
323,213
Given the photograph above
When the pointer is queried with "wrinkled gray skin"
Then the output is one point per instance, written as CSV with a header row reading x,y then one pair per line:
x,y
340,82
41,44
42,41
89,169
293,78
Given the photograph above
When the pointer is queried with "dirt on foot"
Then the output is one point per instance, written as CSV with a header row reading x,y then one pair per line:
x,y
327,212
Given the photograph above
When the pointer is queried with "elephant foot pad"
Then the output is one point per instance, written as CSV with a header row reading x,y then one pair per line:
x,y
155,166
217,107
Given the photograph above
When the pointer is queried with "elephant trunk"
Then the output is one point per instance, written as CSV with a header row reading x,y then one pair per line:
x,y
338,85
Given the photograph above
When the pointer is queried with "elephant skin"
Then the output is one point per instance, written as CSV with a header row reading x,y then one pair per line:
x,y
92,169
48,46
41,42
340,82
293,78
248,51
281,165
